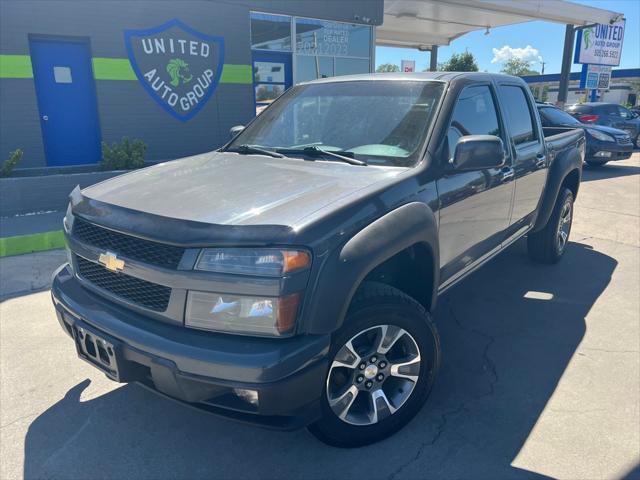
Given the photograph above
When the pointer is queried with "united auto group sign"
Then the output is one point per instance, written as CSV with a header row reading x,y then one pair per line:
x,y
600,44
178,66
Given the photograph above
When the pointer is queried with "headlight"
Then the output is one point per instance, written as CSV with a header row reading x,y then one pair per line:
x,y
253,261
241,314
67,221
598,135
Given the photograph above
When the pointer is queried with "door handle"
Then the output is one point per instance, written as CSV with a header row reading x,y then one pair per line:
x,y
45,117
541,161
507,174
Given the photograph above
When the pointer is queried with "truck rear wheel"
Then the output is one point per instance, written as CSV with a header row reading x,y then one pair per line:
x,y
384,362
548,245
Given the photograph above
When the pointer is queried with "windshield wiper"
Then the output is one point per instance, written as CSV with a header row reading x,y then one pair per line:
x,y
249,149
315,150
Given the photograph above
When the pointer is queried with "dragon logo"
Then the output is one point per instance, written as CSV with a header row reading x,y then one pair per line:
x,y
178,70
178,66
586,35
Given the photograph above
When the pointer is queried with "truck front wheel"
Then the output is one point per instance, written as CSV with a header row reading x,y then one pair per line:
x,y
548,244
383,364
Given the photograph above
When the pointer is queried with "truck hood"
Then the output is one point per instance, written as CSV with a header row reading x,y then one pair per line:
x,y
224,188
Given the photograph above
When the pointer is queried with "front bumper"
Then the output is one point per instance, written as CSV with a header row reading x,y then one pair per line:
x,y
202,369
608,151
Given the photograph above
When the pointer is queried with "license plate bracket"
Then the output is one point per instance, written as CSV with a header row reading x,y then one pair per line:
x,y
100,350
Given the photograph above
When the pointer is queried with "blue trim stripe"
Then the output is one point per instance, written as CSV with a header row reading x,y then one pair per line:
x,y
555,77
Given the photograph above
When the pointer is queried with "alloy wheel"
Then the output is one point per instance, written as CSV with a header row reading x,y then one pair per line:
x,y
373,375
564,225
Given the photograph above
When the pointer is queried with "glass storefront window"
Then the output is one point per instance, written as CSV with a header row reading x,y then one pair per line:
x,y
321,37
270,32
313,67
267,93
351,66
268,72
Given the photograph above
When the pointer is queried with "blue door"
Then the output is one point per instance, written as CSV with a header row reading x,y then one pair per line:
x,y
272,75
67,101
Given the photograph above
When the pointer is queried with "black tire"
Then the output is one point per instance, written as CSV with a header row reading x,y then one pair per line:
x,y
596,163
377,306
545,246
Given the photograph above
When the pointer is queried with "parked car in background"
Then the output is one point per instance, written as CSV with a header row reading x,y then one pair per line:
x,y
604,144
610,115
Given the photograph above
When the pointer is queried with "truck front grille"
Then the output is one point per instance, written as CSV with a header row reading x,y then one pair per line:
x,y
140,292
160,254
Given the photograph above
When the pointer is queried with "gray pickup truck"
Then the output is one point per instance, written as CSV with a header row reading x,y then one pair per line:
x,y
288,279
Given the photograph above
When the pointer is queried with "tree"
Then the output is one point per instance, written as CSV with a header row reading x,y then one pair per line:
x,y
518,67
387,67
460,62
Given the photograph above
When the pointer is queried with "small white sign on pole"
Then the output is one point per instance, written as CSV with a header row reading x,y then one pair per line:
x,y
408,66
598,77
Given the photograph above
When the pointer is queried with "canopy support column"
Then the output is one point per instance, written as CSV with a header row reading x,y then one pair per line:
x,y
433,60
563,90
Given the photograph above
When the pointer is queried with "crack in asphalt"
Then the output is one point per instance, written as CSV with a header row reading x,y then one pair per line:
x,y
592,349
488,364
16,420
610,211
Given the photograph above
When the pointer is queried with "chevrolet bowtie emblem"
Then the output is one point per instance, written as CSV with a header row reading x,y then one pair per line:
x,y
111,261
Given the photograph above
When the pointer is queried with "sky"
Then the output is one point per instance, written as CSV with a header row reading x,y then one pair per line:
x,y
530,41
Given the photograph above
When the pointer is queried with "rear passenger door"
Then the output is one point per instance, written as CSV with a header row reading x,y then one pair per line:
x,y
474,205
529,155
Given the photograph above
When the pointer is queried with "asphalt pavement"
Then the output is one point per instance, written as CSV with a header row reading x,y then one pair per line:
x,y
540,379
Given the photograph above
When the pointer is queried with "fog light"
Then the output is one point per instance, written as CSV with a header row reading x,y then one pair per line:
x,y
249,396
603,154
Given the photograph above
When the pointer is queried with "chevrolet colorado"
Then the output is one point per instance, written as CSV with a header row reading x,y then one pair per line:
x,y
288,279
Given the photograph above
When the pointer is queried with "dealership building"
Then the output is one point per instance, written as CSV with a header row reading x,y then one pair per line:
x,y
177,75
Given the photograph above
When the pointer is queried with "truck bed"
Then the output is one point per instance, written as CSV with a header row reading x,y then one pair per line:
x,y
561,138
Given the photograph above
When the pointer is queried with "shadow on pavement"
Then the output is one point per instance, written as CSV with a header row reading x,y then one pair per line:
x,y
504,351
610,170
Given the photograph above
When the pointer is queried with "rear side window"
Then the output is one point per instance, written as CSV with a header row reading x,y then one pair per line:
x,y
519,116
579,109
608,110
554,117
474,114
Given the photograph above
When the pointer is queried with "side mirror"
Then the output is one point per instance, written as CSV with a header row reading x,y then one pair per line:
x,y
477,152
235,130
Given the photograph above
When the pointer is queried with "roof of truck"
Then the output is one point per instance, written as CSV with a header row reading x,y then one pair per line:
x,y
438,76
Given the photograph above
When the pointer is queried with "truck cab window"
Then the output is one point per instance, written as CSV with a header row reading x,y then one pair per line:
x,y
474,114
518,113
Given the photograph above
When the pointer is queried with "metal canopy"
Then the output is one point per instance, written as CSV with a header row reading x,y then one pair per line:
x,y
425,23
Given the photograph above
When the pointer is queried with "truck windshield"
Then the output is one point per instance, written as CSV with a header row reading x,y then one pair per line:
x,y
380,122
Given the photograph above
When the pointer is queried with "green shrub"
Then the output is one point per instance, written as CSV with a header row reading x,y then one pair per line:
x,y
10,163
123,155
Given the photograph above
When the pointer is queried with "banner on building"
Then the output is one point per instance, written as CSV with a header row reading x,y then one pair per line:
x,y
177,65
